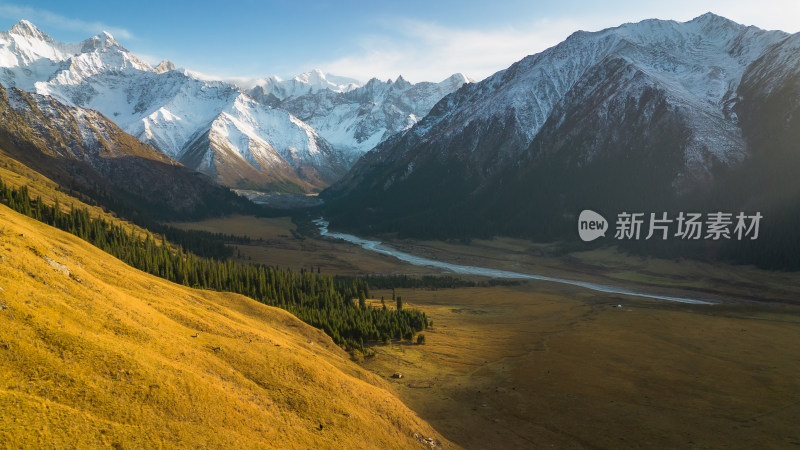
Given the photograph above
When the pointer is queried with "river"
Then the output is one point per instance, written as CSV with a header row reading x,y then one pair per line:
x,y
380,247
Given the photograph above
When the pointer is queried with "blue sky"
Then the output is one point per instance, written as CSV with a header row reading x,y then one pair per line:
x,y
422,40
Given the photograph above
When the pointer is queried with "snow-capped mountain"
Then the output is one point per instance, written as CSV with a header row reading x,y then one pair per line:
x,y
248,139
629,117
233,138
28,56
303,84
356,120
82,150
697,64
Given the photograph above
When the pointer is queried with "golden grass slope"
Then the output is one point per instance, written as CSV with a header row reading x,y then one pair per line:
x,y
94,353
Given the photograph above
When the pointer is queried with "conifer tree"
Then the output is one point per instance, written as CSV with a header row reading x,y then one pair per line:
x,y
322,301
362,300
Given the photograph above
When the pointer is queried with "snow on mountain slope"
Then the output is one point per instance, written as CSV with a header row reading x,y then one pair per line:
x,y
698,63
270,139
303,84
213,125
28,55
81,148
24,44
73,133
171,109
165,109
649,111
779,66
357,120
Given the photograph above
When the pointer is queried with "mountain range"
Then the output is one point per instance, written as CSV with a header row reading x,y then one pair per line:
x,y
86,153
214,126
356,120
650,116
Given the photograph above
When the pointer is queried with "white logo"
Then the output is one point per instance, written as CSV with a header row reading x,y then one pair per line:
x,y
690,226
591,225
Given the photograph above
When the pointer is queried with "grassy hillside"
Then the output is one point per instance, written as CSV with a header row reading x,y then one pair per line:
x,y
94,353
15,174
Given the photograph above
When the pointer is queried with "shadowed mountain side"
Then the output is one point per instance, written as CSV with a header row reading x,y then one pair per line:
x,y
651,117
84,151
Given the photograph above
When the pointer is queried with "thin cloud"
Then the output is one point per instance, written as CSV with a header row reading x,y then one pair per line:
x,y
148,58
422,51
425,51
41,17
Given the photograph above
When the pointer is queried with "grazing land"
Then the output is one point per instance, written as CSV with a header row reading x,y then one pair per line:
x,y
725,283
94,353
282,245
543,364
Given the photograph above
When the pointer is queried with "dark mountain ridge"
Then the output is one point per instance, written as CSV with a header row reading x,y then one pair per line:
x,y
650,117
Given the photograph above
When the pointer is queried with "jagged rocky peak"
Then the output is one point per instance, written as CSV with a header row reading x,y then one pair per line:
x,y
455,81
26,29
458,77
712,19
165,66
101,41
401,82
306,83
176,109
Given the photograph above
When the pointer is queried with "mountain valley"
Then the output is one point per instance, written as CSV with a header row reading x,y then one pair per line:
x,y
171,275
651,116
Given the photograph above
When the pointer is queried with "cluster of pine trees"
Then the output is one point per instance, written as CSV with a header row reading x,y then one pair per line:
x,y
319,300
432,282
201,243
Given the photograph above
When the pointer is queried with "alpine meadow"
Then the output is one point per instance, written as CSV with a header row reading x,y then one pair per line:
x,y
487,228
